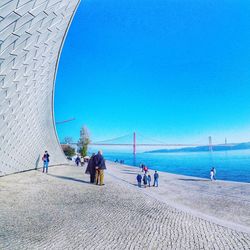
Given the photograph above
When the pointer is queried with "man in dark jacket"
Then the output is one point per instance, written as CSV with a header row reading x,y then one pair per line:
x,y
145,180
91,168
139,178
78,160
100,167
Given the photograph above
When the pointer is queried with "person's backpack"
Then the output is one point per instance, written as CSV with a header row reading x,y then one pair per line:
x,y
44,157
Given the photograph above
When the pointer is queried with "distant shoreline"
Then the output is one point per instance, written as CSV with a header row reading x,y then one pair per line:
x,y
216,148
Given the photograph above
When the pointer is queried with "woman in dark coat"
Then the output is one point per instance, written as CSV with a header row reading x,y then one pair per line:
x,y
145,180
91,168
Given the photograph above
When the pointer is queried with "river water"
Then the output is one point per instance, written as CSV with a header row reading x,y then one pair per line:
x,y
230,165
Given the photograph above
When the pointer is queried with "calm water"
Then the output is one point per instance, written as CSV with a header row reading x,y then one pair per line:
x,y
230,165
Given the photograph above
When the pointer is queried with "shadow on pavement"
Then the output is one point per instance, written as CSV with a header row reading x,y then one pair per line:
x,y
129,173
193,180
69,178
37,162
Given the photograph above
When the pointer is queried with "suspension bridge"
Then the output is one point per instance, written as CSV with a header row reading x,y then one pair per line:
x,y
150,142
130,140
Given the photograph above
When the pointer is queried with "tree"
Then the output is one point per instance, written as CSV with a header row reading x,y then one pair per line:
x,y
68,151
84,141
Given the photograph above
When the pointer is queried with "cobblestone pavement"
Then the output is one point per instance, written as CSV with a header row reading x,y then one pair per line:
x,y
222,202
62,210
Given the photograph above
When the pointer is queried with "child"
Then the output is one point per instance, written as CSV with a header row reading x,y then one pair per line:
x,y
149,180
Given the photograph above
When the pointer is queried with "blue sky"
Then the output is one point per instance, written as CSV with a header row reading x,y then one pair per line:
x,y
177,71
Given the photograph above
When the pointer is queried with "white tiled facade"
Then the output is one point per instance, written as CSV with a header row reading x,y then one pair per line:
x,y
32,33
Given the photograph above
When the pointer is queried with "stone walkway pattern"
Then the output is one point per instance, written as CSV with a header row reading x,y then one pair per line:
x,y
223,202
62,210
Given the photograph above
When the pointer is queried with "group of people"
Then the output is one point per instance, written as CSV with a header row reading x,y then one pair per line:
x,y
79,161
119,161
146,179
95,168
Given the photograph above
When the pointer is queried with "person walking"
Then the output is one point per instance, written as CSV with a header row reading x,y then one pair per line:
x,y
145,180
100,167
77,160
212,174
82,161
156,179
142,167
45,159
91,168
149,179
145,169
214,170
139,178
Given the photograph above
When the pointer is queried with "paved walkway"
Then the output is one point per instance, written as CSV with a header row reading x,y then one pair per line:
x,y
62,210
223,202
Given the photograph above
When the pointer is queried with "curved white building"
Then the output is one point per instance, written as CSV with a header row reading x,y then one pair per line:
x,y
32,33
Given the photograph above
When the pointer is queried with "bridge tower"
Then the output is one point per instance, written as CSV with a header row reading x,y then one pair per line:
x,y
134,144
210,145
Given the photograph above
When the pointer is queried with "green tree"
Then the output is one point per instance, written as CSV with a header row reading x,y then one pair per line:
x,y
84,141
68,151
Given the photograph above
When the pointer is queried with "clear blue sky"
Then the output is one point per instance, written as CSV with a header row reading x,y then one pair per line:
x,y
177,71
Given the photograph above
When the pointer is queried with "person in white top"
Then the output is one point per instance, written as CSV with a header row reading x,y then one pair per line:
x,y
212,174
214,170
82,161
